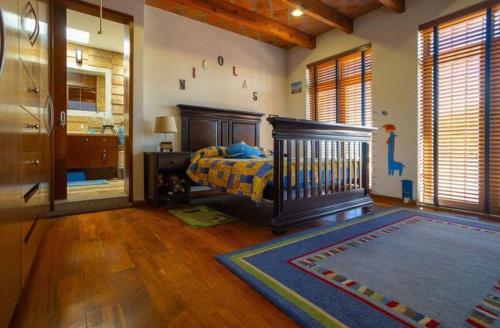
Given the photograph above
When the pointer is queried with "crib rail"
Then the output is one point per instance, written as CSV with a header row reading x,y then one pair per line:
x,y
319,169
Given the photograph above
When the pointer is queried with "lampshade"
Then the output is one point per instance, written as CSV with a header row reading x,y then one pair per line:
x,y
164,124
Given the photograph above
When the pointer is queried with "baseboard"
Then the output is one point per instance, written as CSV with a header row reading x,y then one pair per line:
x,y
89,206
392,200
139,203
399,202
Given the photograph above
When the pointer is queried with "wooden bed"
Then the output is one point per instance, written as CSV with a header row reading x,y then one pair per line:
x,y
340,152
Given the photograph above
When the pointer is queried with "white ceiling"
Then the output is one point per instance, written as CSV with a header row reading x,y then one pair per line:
x,y
113,34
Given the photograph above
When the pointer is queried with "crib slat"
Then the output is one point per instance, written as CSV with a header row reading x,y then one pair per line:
x,y
320,165
341,168
337,166
366,173
341,187
289,169
362,165
297,169
332,165
325,163
349,166
327,170
356,165
344,168
353,154
278,176
306,173
313,157
327,173
324,185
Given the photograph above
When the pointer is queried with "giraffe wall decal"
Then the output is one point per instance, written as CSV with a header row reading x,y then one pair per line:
x,y
392,164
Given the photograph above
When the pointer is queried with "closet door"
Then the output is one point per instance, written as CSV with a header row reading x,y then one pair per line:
x,y
10,200
46,109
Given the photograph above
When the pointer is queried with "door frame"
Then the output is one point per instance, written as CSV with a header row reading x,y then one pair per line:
x,y
119,17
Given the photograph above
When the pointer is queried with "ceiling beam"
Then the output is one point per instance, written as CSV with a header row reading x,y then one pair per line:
x,y
326,14
247,18
396,5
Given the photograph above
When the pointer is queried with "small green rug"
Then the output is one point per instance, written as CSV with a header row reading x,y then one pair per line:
x,y
202,216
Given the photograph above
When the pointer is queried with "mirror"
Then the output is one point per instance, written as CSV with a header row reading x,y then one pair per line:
x,y
84,90
89,106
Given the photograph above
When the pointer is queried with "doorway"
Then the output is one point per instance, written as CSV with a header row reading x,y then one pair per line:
x,y
92,60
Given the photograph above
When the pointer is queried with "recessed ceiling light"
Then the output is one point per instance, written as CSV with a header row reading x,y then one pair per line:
x,y
297,13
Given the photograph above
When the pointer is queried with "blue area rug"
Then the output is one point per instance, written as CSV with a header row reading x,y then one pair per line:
x,y
87,183
79,179
394,268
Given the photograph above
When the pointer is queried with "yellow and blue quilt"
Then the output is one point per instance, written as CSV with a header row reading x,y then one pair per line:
x,y
246,177
243,177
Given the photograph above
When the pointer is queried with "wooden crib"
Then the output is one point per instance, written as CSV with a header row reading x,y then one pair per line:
x,y
336,155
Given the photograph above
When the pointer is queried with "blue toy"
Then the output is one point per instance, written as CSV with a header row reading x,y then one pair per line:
x,y
121,135
407,190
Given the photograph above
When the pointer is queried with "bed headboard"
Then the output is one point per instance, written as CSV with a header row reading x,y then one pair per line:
x,y
205,127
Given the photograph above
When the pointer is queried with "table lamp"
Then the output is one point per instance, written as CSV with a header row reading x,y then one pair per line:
x,y
164,124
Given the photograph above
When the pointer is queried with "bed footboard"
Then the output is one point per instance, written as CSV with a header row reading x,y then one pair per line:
x,y
319,169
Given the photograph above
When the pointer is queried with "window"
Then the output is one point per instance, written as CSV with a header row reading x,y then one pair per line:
x,y
339,88
459,112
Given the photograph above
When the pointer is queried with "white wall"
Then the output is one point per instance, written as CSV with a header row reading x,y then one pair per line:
x,y
173,45
167,46
394,43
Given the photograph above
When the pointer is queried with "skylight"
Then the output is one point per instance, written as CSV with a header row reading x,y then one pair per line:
x,y
77,35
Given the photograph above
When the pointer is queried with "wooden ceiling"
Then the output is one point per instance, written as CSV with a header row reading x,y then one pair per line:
x,y
271,21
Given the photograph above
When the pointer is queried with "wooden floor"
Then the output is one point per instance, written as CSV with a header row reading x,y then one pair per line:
x,y
144,268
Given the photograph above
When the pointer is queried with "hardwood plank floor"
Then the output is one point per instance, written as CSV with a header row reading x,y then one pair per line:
x,y
141,267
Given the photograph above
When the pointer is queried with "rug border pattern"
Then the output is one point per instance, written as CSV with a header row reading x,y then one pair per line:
x,y
267,285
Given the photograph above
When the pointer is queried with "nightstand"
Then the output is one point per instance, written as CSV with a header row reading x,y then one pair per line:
x,y
159,170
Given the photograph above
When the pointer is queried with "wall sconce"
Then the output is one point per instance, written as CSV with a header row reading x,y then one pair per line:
x,y
79,56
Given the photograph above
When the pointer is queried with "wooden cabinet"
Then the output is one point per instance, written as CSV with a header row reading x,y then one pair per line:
x,y
29,36
78,152
30,131
166,164
10,193
104,151
25,127
92,151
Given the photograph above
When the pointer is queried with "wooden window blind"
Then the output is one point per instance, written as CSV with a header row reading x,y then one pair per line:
x,y
339,88
459,112
494,117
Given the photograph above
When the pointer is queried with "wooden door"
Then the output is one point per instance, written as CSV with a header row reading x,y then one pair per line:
x,y
10,200
46,110
128,64
60,100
